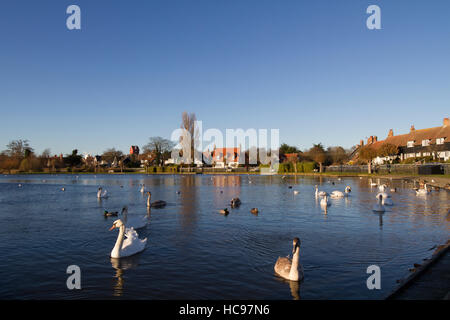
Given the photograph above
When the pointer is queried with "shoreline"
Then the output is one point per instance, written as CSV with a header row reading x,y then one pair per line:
x,y
442,181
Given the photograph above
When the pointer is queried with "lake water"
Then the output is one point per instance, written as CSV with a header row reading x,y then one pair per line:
x,y
193,252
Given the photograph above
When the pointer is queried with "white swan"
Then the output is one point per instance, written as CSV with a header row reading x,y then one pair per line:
x,y
135,222
129,245
296,192
324,203
378,207
101,194
384,195
422,192
142,190
320,193
290,269
382,188
340,194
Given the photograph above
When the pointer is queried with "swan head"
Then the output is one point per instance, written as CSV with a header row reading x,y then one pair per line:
x,y
116,224
124,209
348,189
149,193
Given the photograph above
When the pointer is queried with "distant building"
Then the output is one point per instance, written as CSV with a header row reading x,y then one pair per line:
x,y
291,157
430,142
134,150
222,157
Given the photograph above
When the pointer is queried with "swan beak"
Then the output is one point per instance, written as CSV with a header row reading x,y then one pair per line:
x,y
112,228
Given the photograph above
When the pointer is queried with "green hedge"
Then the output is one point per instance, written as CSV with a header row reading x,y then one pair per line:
x,y
157,169
302,167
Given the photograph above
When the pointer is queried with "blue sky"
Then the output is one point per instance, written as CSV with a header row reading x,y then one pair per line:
x,y
309,68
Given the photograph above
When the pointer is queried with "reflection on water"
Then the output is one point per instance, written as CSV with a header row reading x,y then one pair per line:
x,y
196,253
121,265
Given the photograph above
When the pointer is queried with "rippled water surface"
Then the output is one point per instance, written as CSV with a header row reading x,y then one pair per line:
x,y
193,252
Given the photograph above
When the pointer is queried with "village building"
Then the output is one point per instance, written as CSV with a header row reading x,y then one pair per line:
x,y
229,157
418,143
134,150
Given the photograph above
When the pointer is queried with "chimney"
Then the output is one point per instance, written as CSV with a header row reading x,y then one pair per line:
x,y
391,133
412,128
446,122
375,139
370,140
361,143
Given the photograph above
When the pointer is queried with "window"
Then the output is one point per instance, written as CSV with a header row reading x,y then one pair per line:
x,y
410,144
425,143
440,140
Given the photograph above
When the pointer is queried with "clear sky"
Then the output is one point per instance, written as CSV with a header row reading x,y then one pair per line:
x,y
309,68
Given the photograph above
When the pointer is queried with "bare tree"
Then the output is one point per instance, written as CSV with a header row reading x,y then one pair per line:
x,y
190,136
111,154
160,147
46,154
337,154
18,148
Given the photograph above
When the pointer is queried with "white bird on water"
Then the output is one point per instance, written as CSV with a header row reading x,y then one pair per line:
x,y
378,207
102,194
340,194
319,193
290,269
142,190
324,203
127,243
422,192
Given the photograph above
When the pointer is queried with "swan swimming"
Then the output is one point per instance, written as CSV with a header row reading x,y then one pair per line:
x,y
142,190
324,203
378,207
340,194
290,269
135,222
154,204
320,193
384,195
101,194
129,245
422,192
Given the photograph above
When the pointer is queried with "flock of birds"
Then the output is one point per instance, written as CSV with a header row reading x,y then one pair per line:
x,y
128,243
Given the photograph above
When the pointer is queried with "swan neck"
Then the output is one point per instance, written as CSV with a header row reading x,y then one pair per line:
x,y
294,272
118,246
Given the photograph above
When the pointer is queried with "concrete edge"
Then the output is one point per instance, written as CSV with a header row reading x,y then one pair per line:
x,y
406,282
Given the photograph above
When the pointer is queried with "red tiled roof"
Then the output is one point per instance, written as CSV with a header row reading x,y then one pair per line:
x,y
228,153
417,136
